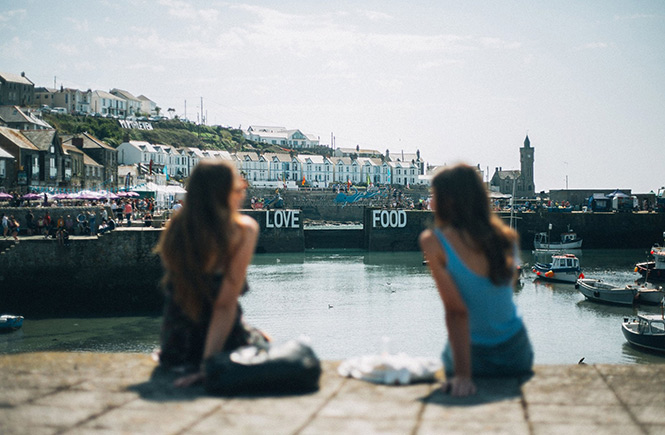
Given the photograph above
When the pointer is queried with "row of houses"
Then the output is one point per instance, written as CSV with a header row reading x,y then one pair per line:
x,y
276,169
19,90
43,160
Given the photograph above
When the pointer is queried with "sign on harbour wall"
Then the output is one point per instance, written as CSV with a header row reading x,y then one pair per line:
x,y
389,218
283,219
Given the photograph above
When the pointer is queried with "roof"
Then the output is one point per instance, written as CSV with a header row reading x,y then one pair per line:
x,y
280,157
17,138
104,94
403,157
14,114
144,98
5,155
124,94
89,161
317,159
265,129
42,139
15,78
89,141
343,160
67,149
510,174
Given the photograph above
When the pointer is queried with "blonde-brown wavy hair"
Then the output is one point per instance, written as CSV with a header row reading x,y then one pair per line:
x,y
195,243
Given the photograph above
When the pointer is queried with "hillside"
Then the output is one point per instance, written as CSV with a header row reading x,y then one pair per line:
x,y
168,132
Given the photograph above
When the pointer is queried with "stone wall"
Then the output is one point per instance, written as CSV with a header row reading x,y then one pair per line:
x,y
115,273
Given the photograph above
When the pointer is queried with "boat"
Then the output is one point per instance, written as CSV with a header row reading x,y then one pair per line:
x,y
653,270
599,291
568,240
9,322
563,268
645,331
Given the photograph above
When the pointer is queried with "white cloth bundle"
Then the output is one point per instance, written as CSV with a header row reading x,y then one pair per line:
x,y
390,369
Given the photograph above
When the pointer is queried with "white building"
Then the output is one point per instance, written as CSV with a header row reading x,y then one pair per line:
x,y
105,103
147,105
318,171
280,136
254,166
132,104
347,170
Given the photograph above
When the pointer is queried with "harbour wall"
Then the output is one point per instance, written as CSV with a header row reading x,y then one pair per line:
x,y
118,272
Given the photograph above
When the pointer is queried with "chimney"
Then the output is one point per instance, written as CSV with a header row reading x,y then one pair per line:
x,y
22,73
77,142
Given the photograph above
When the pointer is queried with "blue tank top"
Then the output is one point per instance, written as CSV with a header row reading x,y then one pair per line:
x,y
493,317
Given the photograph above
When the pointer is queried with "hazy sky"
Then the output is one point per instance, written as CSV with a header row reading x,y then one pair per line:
x,y
460,81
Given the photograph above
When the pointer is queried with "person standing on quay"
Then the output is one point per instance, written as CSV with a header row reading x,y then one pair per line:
x,y
206,249
472,257
128,212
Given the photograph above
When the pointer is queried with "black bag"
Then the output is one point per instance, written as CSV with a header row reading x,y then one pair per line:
x,y
291,367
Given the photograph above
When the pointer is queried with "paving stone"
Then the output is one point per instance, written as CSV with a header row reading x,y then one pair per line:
x,y
472,427
87,393
249,423
142,421
360,426
583,414
576,428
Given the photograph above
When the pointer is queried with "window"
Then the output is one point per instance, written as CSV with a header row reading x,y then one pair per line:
x,y
658,327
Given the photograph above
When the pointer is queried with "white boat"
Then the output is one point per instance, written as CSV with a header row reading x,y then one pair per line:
x,y
563,268
598,291
568,240
653,270
646,331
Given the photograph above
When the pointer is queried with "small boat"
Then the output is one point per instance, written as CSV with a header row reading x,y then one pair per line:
x,y
563,268
598,291
646,331
568,240
9,322
653,270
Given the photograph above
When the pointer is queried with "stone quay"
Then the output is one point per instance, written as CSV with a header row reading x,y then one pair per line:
x,y
113,393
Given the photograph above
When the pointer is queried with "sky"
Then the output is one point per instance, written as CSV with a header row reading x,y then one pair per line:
x,y
458,81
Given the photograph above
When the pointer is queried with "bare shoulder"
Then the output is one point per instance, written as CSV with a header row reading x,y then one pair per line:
x,y
247,224
426,238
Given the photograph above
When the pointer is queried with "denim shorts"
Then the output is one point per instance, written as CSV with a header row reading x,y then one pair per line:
x,y
513,357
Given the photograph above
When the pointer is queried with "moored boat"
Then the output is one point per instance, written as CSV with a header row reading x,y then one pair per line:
x,y
653,270
563,268
599,291
568,240
646,331
9,322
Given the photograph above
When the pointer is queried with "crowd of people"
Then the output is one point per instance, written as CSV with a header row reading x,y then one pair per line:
x,y
87,222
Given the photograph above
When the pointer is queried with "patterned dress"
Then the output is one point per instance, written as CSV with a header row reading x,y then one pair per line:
x,y
183,339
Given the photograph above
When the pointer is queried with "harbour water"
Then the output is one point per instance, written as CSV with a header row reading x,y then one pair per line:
x,y
352,303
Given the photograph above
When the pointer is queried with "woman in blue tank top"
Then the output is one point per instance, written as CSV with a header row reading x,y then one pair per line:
x,y
471,254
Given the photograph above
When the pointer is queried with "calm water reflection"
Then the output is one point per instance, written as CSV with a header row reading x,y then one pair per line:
x,y
347,302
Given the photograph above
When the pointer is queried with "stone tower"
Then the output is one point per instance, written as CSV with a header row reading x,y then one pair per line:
x,y
528,188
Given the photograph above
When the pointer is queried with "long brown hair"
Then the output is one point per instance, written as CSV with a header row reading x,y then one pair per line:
x,y
196,241
462,202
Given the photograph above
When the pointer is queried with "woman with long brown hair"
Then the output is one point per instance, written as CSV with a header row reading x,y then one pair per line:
x,y
472,256
206,249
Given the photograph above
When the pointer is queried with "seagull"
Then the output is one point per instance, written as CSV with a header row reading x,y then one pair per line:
x,y
581,361
329,306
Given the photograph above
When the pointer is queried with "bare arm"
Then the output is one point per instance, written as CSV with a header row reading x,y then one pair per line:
x,y
225,307
457,315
